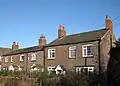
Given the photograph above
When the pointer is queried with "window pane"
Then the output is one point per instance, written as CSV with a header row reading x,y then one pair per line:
x,y
82,70
86,70
89,47
22,57
72,51
85,52
89,50
53,54
53,50
33,56
53,68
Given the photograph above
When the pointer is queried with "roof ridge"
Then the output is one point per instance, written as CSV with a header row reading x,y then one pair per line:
x,y
85,32
78,34
31,47
79,37
27,47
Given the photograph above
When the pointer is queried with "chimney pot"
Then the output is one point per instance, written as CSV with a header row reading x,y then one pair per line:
x,y
15,46
42,40
61,27
14,42
61,31
108,23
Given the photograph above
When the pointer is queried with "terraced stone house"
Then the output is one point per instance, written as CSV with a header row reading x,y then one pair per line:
x,y
82,51
77,52
25,59
2,52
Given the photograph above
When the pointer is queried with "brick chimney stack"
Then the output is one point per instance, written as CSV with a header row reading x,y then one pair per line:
x,y
42,40
15,46
61,32
108,23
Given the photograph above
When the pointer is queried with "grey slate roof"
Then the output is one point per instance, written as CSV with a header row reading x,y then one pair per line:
x,y
69,39
24,50
80,37
4,50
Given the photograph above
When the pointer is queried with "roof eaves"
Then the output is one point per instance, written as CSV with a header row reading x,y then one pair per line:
x,y
19,53
15,53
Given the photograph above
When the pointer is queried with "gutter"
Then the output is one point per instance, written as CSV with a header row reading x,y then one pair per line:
x,y
99,57
44,59
21,52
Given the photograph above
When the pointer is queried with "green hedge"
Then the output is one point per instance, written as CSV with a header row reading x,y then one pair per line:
x,y
8,73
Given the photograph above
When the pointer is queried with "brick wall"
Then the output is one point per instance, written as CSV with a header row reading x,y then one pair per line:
x,y
27,61
62,56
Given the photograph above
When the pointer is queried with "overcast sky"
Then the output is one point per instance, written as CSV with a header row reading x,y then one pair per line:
x,y
24,20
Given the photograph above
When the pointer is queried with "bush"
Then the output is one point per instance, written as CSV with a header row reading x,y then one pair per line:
x,y
10,73
70,79
6,73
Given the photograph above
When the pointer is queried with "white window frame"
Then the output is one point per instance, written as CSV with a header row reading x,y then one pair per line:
x,y
83,53
70,51
91,68
21,59
50,51
11,59
51,68
78,69
0,58
33,57
6,59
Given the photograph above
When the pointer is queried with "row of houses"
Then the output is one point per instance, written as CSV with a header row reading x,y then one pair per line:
x,y
82,51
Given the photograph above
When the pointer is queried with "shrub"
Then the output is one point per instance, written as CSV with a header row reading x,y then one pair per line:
x,y
70,79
